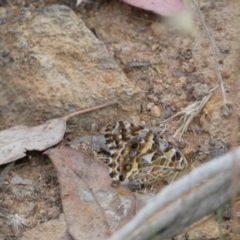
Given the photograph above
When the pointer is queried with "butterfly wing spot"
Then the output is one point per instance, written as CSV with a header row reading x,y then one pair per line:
x,y
112,175
132,153
115,183
127,167
140,157
121,177
135,145
177,156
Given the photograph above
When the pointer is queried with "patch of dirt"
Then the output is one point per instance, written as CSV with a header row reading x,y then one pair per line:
x,y
37,201
169,66
173,69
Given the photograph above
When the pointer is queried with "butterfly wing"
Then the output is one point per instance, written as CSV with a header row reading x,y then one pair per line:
x,y
117,137
139,156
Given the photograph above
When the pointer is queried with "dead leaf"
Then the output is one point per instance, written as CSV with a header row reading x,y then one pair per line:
x,y
14,142
93,208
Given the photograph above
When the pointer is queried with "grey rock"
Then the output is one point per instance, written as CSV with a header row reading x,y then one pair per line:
x,y
52,64
200,90
165,115
217,148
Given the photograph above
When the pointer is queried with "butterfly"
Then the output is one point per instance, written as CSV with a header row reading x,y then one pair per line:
x,y
138,156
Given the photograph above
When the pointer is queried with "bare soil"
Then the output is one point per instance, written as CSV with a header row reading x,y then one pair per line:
x,y
171,67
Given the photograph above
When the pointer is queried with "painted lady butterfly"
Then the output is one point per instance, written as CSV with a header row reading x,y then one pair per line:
x,y
139,156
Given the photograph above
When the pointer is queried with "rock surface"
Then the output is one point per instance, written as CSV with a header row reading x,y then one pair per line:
x,y
52,64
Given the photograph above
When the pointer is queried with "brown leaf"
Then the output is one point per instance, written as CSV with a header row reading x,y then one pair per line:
x,y
93,208
14,142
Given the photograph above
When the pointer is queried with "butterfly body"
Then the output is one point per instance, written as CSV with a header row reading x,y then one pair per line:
x,y
139,156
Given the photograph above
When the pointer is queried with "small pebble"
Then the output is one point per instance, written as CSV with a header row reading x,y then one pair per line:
x,y
217,148
185,67
178,74
154,47
178,87
225,74
179,105
153,123
52,193
150,106
182,143
183,97
156,112
226,110
7,203
19,180
183,80
153,98
165,114
227,212
200,90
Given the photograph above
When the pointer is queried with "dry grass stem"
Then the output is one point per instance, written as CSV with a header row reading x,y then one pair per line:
x,y
188,113
14,219
17,222
213,51
89,109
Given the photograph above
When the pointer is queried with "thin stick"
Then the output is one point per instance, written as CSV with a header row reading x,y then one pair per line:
x,y
214,54
89,110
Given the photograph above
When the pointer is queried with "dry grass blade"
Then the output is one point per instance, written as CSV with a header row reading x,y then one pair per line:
x,y
14,219
17,222
213,51
188,113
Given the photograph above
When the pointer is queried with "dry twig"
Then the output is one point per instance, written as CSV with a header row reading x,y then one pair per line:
x,y
89,110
